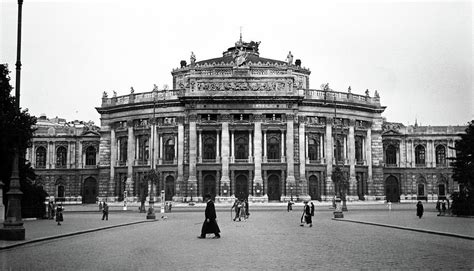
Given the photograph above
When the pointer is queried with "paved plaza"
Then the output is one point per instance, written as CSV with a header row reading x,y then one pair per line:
x,y
270,239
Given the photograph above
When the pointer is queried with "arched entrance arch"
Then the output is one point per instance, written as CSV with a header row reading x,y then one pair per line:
x,y
314,190
169,188
89,193
273,190
392,192
209,186
241,186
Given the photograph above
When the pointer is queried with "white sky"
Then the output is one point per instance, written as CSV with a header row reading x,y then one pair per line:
x,y
418,55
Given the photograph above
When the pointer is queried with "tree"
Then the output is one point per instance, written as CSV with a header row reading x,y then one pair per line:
x,y
16,131
463,173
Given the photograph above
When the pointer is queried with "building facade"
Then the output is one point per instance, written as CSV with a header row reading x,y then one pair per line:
x,y
245,126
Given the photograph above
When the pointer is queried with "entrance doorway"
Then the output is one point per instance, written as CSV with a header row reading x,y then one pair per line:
x,y
314,191
90,191
392,191
169,188
241,187
273,190
209,186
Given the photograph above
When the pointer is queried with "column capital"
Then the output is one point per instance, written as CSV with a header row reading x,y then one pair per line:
x,y
130,123
329,120
192,117
352,122
225,117
301,119
257,117
180,119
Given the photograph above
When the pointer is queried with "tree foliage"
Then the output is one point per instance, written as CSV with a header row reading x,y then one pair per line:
x,y
463,173
16,132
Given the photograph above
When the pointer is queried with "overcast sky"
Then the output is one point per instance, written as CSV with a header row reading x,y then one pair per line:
x,y
418,55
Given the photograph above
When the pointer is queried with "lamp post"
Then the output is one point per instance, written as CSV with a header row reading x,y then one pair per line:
x,y
291,192
191,194
152,174
13,228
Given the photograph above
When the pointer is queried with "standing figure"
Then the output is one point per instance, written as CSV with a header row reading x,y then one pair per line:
x,y
50,210
306,215
236,207
312,209
105,211
246,207
210,224
443,207
289,208
438,207
169,206
59,214
419,209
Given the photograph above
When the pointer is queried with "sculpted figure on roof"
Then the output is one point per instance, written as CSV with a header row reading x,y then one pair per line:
x,y
240,56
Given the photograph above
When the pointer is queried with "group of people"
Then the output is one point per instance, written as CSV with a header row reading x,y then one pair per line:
x,y
441,207
308,213
55,211
241,208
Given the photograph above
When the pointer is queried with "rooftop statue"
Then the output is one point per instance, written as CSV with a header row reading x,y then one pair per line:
x,y
104,95
192,58
132,90
115,93
289,58
240,56
155,87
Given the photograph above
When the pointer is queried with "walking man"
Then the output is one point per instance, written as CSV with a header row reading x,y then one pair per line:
x,y
210,224
312,209
105,211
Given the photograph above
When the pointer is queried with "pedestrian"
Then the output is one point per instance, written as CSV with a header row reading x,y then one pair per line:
x,y
210,224
312,209
105,211
50,210
100,206
236,209
169,206
438,207
59,214
443,207
289,208
419,209
246,206
306,215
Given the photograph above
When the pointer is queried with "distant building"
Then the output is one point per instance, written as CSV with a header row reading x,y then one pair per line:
x,y
65,156
244,126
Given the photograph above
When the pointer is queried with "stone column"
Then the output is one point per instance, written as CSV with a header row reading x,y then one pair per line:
x,y
68,155
290,164
303,156
250,148
433,156
413,157
130,156
52,156
352,160
180,179
225,180
264,145
369,160
218,152
258,153
160,159
155,145
321,148
200,146
175,149
113,158
81,161
282,155
329,153
305,151
344,144
192,180
232,149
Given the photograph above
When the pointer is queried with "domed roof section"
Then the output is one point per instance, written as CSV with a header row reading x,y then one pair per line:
x,y
241,53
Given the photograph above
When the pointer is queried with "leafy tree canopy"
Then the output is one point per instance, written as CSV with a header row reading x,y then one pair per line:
x,y
463,165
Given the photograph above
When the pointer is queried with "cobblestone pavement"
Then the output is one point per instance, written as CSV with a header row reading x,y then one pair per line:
x,y
269,240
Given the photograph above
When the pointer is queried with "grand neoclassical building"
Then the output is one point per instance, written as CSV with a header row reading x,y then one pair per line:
x,y
244,126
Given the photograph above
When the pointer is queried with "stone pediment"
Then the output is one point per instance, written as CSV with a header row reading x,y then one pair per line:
x,y
90,133
391,132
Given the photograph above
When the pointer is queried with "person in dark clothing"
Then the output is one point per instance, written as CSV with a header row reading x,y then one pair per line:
x,y
443,207
237,206
59,214
419,209
210,224
438,207
306,215
246,207
312,209
105,211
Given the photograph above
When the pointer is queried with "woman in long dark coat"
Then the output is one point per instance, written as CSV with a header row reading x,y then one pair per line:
x,y
59,214
419,209
210,224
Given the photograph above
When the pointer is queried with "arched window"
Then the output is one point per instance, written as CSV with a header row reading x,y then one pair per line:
x,y
440,155
60,191
209,148
90,156
40,157
143,149
241,148
61,156
421,189
391,155
313,153
169,150
123,149
273,148
359,149
420,155
338,151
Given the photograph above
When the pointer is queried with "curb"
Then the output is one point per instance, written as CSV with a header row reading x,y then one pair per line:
x,y
41,239
409,229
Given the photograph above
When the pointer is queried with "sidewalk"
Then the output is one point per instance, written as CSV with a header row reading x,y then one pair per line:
x,y
73,224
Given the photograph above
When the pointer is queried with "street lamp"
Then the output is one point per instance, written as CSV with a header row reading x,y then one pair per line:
x,y
191,194
13,228
151,210
291,192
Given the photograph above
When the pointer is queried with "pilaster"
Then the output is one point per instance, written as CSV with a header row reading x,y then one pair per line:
x,y
352,160
258,153
192,180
